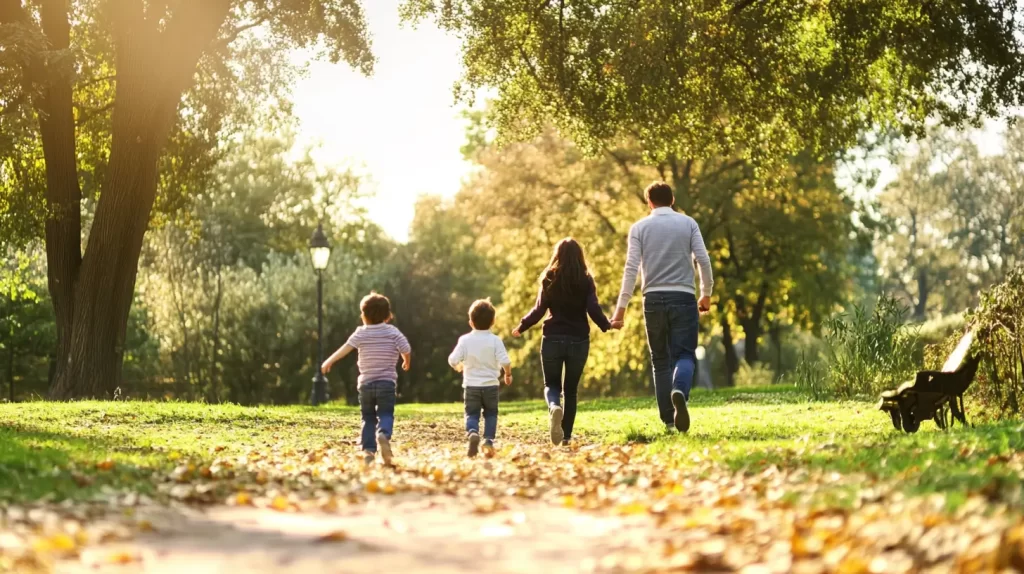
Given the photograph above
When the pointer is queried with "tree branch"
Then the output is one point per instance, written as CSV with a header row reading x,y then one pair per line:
x,y
86,114
742,5
234,33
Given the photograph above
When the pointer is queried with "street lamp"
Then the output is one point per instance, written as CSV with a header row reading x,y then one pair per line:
x,y
319,255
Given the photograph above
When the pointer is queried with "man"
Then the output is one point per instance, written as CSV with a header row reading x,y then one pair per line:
x,y
663,246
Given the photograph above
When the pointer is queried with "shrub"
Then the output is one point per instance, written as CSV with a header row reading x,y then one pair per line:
x,y
998,323
753,376
865,353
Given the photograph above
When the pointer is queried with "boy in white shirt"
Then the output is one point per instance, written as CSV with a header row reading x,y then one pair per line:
x,y
480,356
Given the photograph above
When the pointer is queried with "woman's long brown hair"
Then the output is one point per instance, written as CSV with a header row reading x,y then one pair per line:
x,y
566,276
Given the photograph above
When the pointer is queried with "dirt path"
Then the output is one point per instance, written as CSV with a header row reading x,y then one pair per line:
x,y
417,534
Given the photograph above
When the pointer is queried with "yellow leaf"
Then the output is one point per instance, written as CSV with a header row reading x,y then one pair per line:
x,y
335,536
105,465
373,486
569,501
280,503
122,558
632,508
242,499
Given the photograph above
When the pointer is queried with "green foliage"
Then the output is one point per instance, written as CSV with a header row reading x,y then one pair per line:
x,y
779,249
867,352
998,323
26,324
954,219
761,79
756,375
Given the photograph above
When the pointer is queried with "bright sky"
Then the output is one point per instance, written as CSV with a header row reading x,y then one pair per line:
x,y
399,127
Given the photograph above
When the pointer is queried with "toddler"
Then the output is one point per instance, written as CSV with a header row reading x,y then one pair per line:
x,y
480,356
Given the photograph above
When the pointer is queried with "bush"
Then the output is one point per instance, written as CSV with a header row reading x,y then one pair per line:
x,y
754,376
998,323
865,353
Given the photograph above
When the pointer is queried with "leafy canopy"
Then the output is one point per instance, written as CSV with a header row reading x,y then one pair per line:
x,y
697,78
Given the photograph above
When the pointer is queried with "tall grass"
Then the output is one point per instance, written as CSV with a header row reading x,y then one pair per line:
x,y
866,352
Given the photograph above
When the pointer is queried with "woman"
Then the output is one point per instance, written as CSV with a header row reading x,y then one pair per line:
x,y
566,290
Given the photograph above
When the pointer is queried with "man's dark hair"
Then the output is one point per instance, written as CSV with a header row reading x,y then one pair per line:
x,y
659,194
481,314
375,308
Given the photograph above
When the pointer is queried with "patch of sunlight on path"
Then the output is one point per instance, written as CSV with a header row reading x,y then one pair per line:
x,y
408,534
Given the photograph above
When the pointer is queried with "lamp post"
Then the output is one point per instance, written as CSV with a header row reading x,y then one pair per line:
x,y
319,255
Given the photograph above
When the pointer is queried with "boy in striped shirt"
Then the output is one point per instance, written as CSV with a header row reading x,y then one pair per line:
x,y
379,345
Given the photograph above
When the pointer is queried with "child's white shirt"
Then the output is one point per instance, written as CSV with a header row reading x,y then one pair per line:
x,y
481,355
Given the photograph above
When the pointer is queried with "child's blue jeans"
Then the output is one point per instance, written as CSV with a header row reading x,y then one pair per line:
x,y
485,399
377,406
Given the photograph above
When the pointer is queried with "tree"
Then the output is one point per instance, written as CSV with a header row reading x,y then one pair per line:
x,y
138,69
954,221
26,321
697,79
441,273
207,274
769,240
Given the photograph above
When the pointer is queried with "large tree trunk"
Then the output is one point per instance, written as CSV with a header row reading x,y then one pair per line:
x,y
154,69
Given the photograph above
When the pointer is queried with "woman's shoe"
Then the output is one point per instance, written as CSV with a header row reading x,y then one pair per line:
x,y
555,417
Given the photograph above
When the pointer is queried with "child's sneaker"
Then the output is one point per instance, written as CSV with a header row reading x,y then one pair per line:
x,y
669,428
369,457
474,444
681,417
556,425
384,443
488,448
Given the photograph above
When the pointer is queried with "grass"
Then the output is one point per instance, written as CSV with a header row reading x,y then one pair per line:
x,y
65,450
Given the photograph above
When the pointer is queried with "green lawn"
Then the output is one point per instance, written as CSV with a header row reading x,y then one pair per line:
x,y
79,450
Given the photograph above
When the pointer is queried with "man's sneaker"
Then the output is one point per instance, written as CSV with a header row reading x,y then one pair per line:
x,y
385,448
369,457
488,448
681,418
669,428
556,425
474,444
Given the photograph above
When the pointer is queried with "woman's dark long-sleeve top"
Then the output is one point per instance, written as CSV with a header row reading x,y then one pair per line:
x,y
567,317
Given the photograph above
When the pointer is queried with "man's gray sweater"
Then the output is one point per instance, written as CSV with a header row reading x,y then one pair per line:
x,y
663,247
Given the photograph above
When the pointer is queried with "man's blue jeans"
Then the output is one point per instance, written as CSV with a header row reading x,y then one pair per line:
x,y
671,319
377,406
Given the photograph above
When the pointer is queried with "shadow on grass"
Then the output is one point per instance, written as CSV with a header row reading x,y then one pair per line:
x,y
38,465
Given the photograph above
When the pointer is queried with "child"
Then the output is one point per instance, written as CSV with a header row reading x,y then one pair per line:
x,y
379,345
480,355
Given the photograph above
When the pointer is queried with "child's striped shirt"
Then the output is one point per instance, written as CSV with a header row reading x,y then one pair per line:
x,y
379,349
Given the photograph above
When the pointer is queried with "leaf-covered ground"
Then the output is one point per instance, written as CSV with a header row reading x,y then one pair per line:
x,y
765,482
